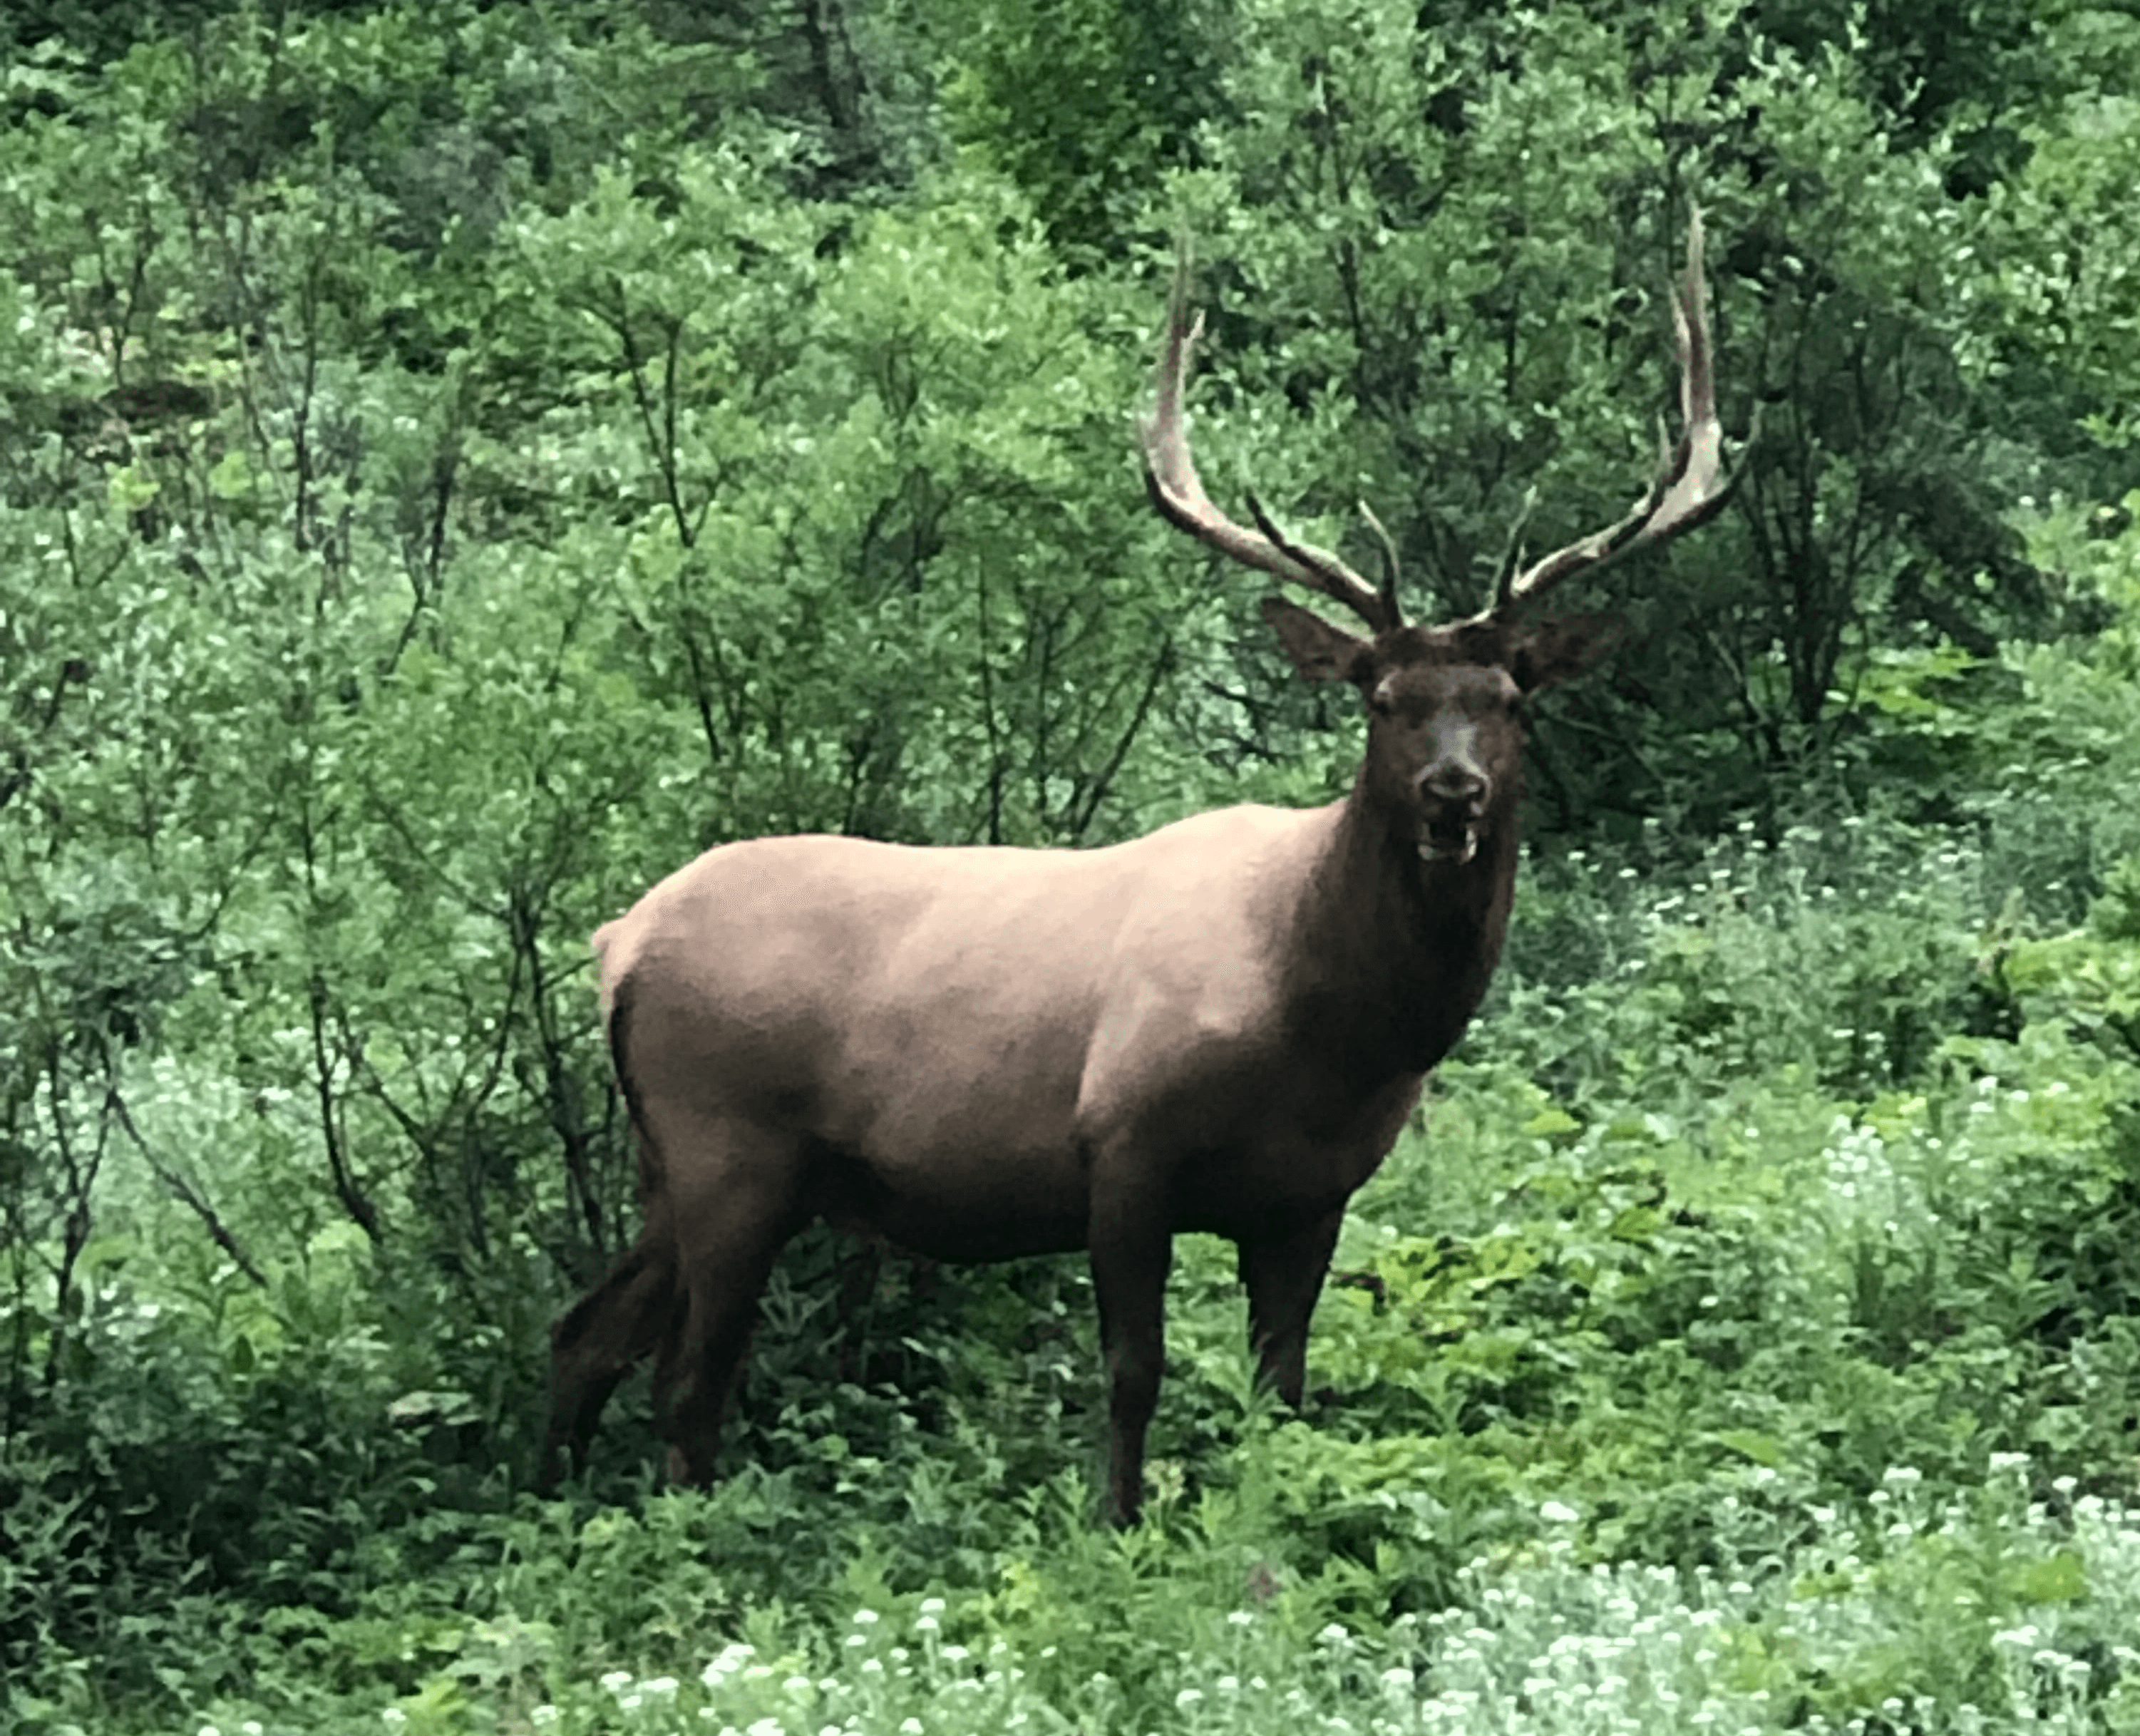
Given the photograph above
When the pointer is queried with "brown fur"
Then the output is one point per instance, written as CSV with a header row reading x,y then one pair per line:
x,y
986,1053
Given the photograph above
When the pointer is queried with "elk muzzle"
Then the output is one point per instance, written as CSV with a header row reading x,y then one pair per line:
x,y
1453,795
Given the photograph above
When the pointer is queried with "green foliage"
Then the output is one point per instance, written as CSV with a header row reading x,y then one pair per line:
x,y
1085,104
2057,247
1974,68
456,461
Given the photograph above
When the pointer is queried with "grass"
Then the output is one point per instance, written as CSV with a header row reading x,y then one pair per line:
x,y
1747,1345
1991,1612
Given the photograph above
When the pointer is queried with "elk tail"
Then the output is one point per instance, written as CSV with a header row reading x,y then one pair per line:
x,y
622,999
605,937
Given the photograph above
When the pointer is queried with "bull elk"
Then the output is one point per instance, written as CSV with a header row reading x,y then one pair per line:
x,y
985,1053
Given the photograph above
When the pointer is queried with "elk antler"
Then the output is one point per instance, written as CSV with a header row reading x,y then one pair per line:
x,y
1692,486
1171,475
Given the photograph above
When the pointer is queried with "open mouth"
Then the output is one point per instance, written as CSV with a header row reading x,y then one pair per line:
x,y
1453,839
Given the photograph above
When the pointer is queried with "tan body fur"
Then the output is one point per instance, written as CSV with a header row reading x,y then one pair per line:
x,y
986,1053
958,1032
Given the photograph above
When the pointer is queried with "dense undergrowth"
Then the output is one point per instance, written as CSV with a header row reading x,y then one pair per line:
x,y
1749,1341
456,460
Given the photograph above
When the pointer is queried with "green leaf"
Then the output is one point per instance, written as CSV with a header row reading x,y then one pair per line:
x,y
231,476
1761,1448
2058,1578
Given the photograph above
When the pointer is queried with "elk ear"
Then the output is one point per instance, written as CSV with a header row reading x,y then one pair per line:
x,y
1546,653
1319,651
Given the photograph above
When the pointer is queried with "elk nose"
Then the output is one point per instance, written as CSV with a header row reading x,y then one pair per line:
x,y
1457,785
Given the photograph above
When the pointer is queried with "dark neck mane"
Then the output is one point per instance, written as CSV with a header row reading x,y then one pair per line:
x,y
1401,951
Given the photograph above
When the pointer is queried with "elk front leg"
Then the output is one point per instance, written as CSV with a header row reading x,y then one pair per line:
x,y
1283,1272
1132,1245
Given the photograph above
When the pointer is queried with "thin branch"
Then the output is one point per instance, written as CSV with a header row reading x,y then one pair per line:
x,y
186,1193
347,1188
1160,666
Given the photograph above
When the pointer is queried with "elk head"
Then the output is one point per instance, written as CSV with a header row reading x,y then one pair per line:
x,y
1445,702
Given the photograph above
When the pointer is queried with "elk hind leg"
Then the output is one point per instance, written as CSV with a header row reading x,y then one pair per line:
x,y
1283,1272
612,1328
729,1230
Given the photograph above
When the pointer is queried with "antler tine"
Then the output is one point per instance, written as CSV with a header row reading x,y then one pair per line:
x,y
1178,492
1512,553
1378,606
1393,568
1692,486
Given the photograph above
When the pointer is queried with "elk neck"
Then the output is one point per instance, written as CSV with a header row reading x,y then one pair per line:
x,y
1399,951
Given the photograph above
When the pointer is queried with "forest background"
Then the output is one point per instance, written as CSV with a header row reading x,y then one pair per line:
x,y
457,462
